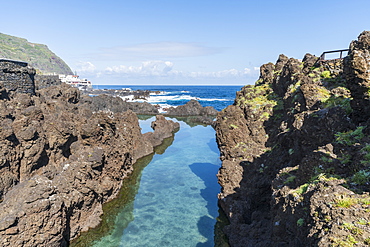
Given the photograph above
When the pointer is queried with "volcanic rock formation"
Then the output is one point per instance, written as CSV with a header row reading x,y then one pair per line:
x,y
60,161
296,155
196,112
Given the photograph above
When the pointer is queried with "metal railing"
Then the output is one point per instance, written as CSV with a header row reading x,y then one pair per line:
x,y
322,57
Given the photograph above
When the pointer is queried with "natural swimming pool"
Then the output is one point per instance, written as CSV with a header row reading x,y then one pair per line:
x,y
176,195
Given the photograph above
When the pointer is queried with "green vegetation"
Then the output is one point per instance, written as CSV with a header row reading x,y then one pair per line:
x,y
290,179
326,74
294,87
361,177
233,126
366,155
323,94
277,72
327,218
350,137
348,242
262,168
363,222
367,241
300,222
326,159
339,101
314,180
37,55
345,158
302,189
346,202
352,228
259,98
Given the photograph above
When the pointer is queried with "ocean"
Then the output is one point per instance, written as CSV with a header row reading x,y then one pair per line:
x,y
217,96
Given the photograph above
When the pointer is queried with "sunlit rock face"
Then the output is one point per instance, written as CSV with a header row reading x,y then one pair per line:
x,y
295,153
60,161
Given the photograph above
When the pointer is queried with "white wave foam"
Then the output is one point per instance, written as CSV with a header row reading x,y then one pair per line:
x,y
179,98
129,98
157,99
163,107
165,98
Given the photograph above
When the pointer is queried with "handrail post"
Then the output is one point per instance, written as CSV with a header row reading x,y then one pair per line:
x,y
322,57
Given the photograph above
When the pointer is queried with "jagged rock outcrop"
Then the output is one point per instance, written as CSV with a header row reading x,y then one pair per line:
x,y
192,108
105,102
195,112
162,128
192,111
44,81
60,161
295,154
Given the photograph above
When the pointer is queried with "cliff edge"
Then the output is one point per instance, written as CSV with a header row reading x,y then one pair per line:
x,y
38,56
296,155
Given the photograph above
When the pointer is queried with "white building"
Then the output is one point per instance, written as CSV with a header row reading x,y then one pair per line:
x,y
75,81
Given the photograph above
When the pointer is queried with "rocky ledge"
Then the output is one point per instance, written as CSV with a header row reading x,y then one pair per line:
x,y
296,155
60,161
192,111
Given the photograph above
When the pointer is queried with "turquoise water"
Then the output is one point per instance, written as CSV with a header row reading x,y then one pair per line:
x,y
176,204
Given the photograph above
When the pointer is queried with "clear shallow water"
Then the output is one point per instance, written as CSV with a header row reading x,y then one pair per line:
x,y
176,203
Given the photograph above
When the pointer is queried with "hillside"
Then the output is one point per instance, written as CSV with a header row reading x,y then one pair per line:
x,y
37,55
296,155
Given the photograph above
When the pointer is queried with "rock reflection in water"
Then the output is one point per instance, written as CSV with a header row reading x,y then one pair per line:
x,y
122,207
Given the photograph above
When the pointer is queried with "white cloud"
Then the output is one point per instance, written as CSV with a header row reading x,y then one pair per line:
x,y
161,69
85,67
222,74
157,50
148,68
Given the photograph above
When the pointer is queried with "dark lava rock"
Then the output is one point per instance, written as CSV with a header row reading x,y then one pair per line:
x,y
162,129
105,102
295,153
193,113
61,160
191,108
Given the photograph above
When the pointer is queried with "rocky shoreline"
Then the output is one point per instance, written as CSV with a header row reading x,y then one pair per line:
x,y
61,160
64,153
192,111
295,153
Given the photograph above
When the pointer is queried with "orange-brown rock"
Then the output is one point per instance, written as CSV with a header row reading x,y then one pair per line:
x,y
60,161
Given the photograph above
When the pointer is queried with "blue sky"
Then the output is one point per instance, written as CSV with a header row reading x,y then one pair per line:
x,y
183,41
